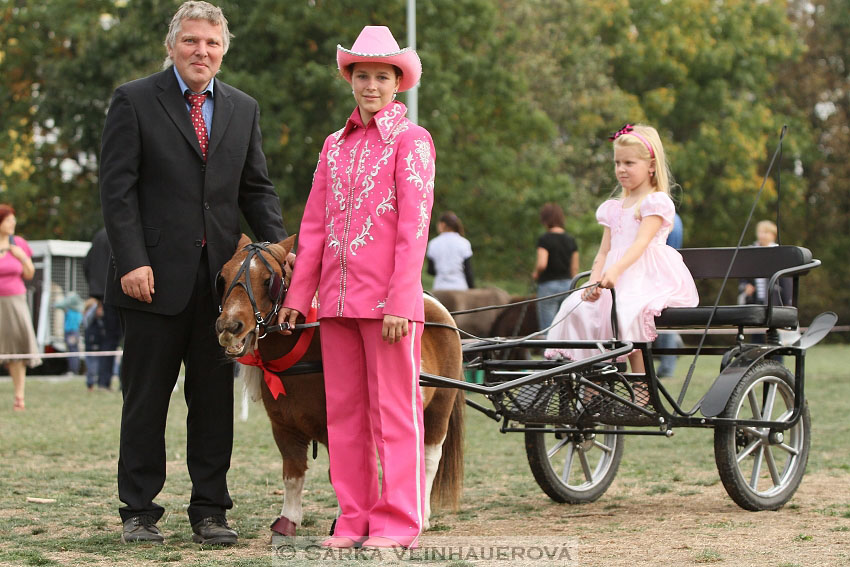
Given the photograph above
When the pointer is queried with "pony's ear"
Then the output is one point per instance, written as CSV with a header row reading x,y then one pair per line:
x,y
281,249
243,242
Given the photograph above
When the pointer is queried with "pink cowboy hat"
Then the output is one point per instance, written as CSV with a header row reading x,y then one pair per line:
x,y
376,44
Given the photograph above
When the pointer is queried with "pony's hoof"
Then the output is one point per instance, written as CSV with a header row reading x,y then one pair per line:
x,y
284,526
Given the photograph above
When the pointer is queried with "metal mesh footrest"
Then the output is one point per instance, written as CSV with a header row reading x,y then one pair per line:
x,y
600,406
564,400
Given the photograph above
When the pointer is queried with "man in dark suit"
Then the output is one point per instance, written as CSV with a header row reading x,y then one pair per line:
x,y
176,168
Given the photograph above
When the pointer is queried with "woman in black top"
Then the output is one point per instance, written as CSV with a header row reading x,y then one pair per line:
x,y
557,262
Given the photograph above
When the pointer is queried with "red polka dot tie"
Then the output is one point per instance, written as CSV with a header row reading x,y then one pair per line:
x,y
197,115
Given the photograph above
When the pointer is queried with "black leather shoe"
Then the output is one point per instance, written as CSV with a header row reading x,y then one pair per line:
x,y
214,531
141,529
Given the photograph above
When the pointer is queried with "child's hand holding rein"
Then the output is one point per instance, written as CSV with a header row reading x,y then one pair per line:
x,y
591,293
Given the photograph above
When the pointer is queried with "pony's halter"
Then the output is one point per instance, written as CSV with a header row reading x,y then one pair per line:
x,y
276,286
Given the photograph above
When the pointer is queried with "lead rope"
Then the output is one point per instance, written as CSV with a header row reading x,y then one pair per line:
x,y
729,269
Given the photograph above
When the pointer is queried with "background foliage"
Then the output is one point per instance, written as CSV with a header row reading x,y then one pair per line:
x,y
519,96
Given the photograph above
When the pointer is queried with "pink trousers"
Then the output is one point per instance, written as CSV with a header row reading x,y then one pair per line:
x,y
374,402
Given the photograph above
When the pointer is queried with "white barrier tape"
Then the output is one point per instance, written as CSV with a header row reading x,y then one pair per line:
x,y
61,354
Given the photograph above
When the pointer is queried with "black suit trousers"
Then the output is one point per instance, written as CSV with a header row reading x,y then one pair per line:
x,y
154,347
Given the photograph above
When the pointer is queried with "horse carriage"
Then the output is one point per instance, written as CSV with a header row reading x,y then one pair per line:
x,y
574,414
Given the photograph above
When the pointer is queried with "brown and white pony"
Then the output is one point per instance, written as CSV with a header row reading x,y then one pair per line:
x,y
298,416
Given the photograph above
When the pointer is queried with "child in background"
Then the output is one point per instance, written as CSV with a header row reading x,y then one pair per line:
x,y
95,334
754,291
633,258
72,305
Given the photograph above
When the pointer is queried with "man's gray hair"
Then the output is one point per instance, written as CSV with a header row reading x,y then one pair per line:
x,y
196,11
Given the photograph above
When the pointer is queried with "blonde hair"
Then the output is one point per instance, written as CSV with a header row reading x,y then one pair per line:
x,y
769,225
196,11
663,179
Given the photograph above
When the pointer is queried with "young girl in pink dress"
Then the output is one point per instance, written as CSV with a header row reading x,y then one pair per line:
x,y
633,257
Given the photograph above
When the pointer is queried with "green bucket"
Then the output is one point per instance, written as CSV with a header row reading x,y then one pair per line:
x,y
474,376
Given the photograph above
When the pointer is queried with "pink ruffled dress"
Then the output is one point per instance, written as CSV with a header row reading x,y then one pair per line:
x,y
658,279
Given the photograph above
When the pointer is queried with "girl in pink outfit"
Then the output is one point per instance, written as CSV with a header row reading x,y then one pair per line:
x,y
633,257
362,244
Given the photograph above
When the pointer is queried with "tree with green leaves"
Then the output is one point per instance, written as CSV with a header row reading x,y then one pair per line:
x,y
702,72
492,143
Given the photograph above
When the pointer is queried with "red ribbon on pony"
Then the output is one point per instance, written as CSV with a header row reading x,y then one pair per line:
x,y
271,367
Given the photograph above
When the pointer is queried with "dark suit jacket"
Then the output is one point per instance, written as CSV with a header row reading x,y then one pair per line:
x,y
160,199
96,264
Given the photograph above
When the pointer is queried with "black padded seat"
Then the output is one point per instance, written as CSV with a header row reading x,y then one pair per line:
x,y
727,315
750,262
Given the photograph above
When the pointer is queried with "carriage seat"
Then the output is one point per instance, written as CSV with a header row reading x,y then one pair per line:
x,y
772,262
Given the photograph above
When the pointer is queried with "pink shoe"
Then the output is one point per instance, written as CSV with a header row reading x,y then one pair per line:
x,y
339,542
385,542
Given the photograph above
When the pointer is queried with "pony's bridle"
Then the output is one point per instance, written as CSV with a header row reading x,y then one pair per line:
x,y
276,287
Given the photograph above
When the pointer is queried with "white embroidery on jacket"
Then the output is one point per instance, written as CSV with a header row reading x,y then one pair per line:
x,y
360,240
402,127
390,115
361,164
422,185
369,185
423,219
381,304
369,182
423,149
336,182
333,241
416,176
386,204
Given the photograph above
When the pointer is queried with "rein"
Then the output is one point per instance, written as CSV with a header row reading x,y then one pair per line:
x,y
520,340
515,303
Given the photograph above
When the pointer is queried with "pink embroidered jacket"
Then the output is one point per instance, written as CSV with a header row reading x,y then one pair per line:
x,y
365,227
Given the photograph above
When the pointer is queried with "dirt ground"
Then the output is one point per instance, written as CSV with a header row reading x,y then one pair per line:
x,y
705,528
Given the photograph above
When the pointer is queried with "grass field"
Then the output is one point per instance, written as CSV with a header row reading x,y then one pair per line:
x,y
666,505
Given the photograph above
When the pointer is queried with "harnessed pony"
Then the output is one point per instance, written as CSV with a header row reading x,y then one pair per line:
x,y
252,285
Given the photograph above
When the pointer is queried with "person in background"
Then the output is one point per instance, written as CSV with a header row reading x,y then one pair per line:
x,y
16,331
95,267
95,335
754,291
450,255
667,363
557,262
72,305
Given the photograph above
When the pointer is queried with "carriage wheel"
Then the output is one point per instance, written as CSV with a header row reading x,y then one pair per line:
x,y
759,469
574,467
